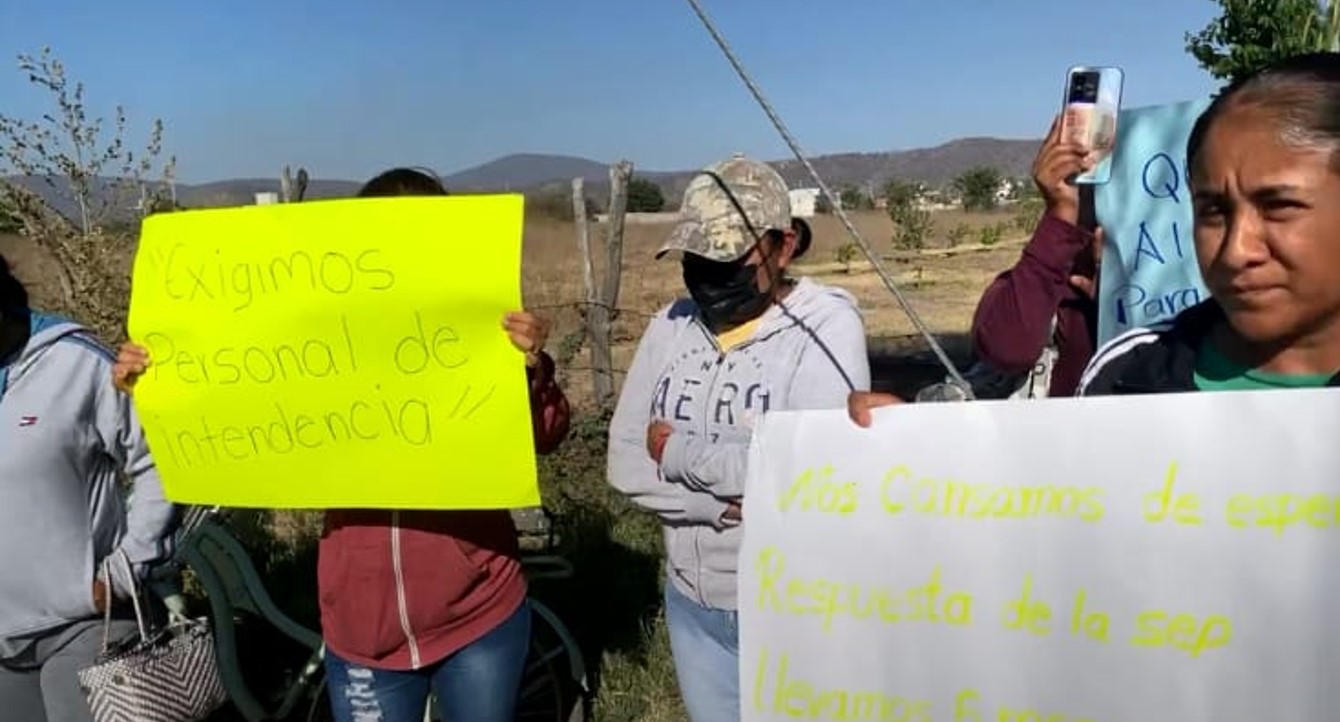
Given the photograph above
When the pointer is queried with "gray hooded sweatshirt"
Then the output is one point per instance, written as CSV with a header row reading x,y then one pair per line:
x,y
808,352
66,435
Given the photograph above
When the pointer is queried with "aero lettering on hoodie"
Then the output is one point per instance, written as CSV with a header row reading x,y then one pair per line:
x,y
703,388
808,352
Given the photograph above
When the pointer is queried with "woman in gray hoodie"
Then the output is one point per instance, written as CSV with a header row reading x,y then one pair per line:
x,y
746,341
67,438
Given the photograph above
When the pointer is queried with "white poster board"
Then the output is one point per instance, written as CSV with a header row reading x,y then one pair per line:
x,y
1122,559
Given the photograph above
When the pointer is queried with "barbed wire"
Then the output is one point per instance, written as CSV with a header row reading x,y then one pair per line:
x,y
613,371
834,202
580,304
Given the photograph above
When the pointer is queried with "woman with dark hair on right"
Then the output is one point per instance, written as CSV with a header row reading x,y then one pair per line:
x,y
1264,161
1265,175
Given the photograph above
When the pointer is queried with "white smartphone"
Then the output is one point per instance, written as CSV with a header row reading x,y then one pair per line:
x,y
1089,113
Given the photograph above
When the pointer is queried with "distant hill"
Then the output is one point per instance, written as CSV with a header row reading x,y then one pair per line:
x,y
242,191
934,166
525,171
533,173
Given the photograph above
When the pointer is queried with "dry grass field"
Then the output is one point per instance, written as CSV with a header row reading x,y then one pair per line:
x,y
613,603
942,282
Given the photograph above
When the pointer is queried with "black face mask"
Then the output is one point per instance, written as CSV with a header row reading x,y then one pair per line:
x,y
727,294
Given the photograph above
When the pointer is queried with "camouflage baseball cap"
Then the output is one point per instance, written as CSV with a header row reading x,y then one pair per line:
x,y
712,226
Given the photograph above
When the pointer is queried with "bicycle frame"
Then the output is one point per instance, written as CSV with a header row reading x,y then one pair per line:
x,y
231,582
557,568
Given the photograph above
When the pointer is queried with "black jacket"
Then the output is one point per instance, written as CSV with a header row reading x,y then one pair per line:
x,y
1157,360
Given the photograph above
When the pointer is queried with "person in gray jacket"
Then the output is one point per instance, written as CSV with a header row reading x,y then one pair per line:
x,y
67,437
746,341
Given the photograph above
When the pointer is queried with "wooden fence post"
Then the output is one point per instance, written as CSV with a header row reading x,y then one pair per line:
x,y
300,192
289,190
285,186
600,312
583,241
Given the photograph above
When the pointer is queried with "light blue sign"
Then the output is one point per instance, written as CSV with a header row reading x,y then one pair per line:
x,y
1149,271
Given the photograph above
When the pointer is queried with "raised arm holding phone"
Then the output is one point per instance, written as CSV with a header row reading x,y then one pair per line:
x,y
1049,296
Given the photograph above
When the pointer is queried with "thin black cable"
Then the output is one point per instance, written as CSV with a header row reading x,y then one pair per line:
x,y
833,200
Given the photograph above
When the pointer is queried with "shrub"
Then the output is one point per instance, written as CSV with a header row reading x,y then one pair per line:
x,y
9,222
977,188
644,196
96,177
846,253
855,199
959,233
913,225
989,235
1028,215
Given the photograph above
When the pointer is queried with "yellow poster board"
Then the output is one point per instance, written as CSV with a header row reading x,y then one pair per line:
x,y
336,354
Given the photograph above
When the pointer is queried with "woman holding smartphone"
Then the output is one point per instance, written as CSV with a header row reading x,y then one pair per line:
x,y
1263,176
1037,320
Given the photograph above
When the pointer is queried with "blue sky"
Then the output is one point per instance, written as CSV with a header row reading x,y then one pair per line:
x,y
348,88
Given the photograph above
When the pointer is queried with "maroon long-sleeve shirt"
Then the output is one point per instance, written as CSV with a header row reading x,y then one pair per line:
x,y
405,589
1014,315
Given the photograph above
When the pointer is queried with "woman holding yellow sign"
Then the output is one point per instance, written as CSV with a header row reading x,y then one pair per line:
x,y
414,602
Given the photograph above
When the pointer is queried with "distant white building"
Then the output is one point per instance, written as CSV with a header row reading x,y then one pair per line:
x,y
804,202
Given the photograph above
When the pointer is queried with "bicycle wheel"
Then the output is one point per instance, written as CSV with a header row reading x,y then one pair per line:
x,y
319,710
548,692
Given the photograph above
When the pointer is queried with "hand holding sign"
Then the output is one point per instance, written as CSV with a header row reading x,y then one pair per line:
x,y
132,360
860,405
528,334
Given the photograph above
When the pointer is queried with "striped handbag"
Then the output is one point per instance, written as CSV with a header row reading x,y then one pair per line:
x,y
170,675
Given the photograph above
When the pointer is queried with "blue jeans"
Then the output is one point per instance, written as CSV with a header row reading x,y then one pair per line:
x,y
479,683
705,643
